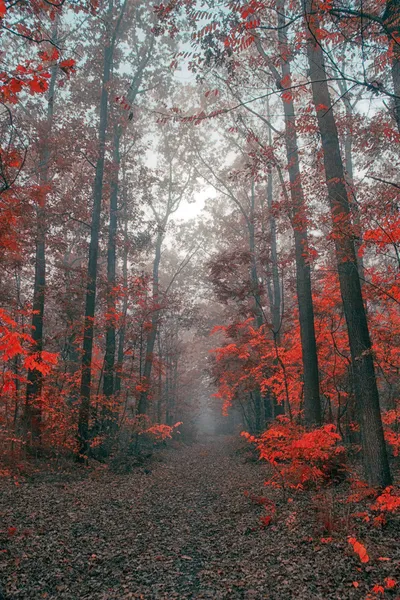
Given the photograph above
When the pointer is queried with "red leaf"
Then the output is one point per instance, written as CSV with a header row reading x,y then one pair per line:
x,y
15,85
265,521
378,589
67,65
38,86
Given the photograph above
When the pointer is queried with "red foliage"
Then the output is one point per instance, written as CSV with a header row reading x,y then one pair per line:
x,y
388,501
359,549
161,431
300,458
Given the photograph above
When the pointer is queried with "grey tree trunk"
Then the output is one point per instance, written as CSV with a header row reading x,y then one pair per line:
x,y
121,336
373,443
348,158
271,406
32,413
109,384
276,286
312,403
90,305
258,401
392,22
151,338
109,359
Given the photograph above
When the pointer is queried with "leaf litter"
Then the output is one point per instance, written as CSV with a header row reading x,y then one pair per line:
x,y
194,526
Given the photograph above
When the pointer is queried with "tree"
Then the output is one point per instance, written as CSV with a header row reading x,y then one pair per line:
x,y
374,450
111,35
312,406
32,415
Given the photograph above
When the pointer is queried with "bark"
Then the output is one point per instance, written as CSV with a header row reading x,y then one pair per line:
x,y
276,287
32,412
121,337
175,391
392,21
173,202
151,338
109,359
160,387
312,403
271,406
253,269
258,402
168,389
348,157
90,304
374,450
109,384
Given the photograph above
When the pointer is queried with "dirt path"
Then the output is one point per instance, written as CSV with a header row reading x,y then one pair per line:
x,y
184,530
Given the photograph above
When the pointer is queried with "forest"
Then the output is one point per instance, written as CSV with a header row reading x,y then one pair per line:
x,y
199,299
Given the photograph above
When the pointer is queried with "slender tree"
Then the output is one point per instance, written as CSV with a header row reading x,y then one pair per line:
x,y
312,404
32,413
111,35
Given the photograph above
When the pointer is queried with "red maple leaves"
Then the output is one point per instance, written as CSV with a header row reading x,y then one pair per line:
x,y
300,458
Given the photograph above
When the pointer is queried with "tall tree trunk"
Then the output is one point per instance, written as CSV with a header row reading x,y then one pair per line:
x,y
348,159
32,413
271,406
312,403
109,359
392,22
160,386
258,402
172,404
151,338
109,385
374,450
90,306
168,364
276,287
121,337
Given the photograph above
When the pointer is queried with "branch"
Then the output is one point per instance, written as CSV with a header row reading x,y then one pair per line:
x,y
395,185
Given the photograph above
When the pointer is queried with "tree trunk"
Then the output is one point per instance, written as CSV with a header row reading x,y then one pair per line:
x,y
276,287
151,338
312,404
258,402
374,449
160,386
348,157
32,413
172,403
86,378
168,387
109,385
109,359
392,22
121,337
271,406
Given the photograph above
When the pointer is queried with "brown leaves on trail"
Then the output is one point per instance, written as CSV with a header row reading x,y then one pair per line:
x,y
185,530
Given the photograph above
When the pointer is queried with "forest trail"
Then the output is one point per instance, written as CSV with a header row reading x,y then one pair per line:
x,y
183,530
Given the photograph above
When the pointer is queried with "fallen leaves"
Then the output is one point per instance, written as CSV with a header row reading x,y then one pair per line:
x,y
185,530
359,549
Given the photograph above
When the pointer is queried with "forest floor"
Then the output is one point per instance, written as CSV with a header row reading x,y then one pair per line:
x,y
184,527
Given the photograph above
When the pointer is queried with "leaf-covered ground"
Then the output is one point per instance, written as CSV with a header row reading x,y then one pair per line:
x,y
183,528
